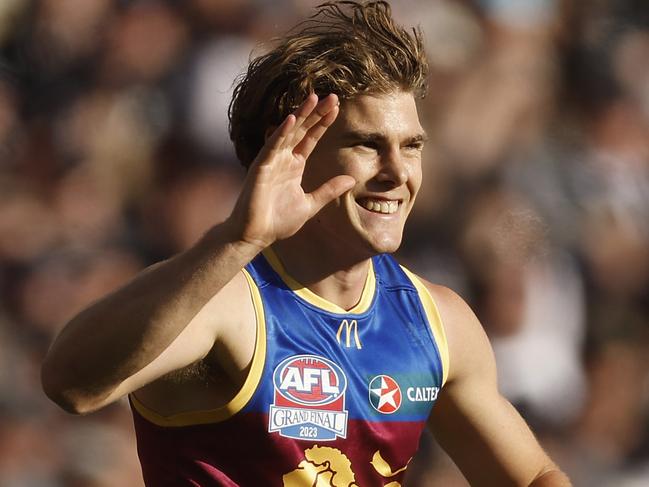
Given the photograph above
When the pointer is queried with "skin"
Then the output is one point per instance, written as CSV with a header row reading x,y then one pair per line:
x,y
377,140
197,305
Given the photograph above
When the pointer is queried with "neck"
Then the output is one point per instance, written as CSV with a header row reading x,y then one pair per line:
x,y
332,274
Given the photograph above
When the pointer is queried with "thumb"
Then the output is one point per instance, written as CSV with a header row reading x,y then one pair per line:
x,y
329,191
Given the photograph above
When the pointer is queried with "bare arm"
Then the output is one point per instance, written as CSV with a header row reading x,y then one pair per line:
x,y
481,431
107,343
110,349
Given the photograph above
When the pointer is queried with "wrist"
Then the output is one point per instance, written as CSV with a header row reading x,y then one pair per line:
x,y
229,233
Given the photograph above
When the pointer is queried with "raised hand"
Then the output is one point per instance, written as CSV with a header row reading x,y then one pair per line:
x,y
272,205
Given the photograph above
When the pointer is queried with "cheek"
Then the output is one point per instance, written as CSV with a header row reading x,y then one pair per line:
x,y
415,177
362,168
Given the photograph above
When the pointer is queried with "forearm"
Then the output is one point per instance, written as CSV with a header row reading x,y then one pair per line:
x,y
551,478
120,334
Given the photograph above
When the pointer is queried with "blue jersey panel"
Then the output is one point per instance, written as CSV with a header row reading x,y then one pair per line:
x,y
323,368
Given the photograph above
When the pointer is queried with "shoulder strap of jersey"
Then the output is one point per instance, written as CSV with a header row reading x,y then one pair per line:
x,y
434,319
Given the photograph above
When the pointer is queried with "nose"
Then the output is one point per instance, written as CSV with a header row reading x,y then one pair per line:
x,y
393,168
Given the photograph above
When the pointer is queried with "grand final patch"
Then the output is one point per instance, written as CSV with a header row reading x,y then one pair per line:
x,y
309,399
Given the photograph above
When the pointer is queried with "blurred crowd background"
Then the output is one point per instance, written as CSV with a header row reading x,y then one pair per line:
x,y
114,154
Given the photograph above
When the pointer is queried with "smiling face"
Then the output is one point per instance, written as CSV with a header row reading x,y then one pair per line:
x,y
377,139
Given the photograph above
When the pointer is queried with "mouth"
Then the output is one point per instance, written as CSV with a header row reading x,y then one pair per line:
x,y
381,206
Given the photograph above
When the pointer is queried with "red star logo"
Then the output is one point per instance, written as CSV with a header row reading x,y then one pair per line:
x,y
385,394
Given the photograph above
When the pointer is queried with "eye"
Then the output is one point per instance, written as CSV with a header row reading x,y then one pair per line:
x,y
415,146
367,144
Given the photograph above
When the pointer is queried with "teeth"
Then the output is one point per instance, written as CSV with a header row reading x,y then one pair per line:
x,y
386,207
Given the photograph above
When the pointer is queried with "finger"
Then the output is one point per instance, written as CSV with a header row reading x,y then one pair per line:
x,y
305,109
304,148
329,191
323,107
273,143
285,134
278,138
317,113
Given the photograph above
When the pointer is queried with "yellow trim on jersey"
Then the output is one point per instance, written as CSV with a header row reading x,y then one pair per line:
x,y
312,298
240,399
434,320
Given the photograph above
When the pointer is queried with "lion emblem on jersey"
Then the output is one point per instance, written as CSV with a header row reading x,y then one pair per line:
x,y
329,467
323,467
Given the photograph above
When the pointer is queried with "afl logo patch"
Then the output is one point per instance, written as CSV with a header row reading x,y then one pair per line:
x,y
309,399
385,394
307,380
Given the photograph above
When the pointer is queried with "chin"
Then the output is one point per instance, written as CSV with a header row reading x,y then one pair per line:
x,y
387,244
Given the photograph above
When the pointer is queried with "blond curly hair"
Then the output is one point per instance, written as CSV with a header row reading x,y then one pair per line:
x,y
346,48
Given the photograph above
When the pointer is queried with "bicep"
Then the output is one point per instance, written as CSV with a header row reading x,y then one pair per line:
x,y
197,339
482,432
488,440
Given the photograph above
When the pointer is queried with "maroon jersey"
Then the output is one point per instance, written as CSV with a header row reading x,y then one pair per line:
x,y
333,397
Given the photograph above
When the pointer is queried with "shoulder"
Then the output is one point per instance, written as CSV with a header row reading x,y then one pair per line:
x,y
468,346
453,309
233,305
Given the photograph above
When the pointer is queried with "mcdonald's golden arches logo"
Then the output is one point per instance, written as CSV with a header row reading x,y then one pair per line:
x,y
349,326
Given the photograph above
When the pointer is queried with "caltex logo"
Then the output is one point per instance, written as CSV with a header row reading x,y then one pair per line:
x,y
385,394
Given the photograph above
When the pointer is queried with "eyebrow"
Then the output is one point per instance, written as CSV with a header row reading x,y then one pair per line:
x,y
378,137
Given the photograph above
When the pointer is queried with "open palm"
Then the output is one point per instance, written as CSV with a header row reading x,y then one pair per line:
x,y
272,205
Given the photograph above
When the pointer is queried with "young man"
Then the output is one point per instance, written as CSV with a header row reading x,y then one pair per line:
x,y
287,347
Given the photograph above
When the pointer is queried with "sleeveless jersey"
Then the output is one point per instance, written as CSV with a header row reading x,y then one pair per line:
x,y
333,397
